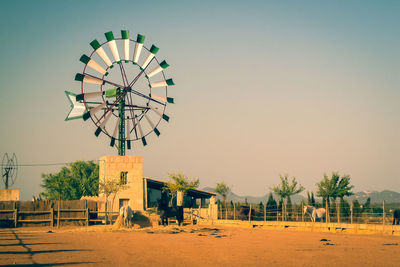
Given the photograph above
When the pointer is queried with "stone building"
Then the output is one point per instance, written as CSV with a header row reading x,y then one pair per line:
x,y
143,193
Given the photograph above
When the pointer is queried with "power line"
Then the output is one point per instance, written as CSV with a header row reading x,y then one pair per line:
x,y
39,164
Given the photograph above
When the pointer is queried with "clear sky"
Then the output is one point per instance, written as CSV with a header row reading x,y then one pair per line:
x,y
262,88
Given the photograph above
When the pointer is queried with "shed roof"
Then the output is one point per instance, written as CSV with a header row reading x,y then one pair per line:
x,y
196,193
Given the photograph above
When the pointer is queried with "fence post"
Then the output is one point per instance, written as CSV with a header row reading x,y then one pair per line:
x,y
58,214
351,212
327,211
383,214
250,213
15,218
87,216
52,217
302,212
265,212
234,211
338,211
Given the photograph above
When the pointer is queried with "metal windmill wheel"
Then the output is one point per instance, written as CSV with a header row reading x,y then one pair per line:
x,y
9,170
124,96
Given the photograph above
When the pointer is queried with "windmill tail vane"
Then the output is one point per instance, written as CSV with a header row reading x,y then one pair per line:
x,y
125,95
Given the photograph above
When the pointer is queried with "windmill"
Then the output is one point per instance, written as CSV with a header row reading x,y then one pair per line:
x,y
9,170
125,95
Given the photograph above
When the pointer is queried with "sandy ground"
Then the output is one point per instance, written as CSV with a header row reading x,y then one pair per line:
x,y
193,246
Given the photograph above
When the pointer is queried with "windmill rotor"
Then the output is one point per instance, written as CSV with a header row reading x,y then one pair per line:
x,y
124,90
9,170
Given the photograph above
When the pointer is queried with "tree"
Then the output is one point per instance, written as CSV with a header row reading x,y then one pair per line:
x,y
271,207
367,205
344,208
80,178
356,210
180,182
313,203
223,190
110,187
334,187
286,190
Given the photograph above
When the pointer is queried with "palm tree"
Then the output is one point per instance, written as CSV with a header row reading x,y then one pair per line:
x,y
285,190
334,187
223,190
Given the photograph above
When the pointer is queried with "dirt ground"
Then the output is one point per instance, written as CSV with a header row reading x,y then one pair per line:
x,y
193,246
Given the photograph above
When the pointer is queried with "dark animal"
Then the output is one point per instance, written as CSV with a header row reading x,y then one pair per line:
x,y
169,212
396,217
244,212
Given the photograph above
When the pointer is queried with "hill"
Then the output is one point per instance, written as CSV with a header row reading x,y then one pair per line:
x,y
362,196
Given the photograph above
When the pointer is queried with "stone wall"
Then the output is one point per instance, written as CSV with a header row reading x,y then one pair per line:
x,y
9,195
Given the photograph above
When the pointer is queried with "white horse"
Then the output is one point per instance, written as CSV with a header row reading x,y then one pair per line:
x,y
127,214
315,213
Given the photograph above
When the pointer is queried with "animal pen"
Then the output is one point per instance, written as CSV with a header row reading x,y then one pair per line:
x,y
375,214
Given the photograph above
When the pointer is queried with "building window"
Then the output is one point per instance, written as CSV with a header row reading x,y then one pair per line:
x,y
124,177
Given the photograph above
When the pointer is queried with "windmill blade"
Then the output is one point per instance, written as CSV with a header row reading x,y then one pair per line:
x,y
86,96
92,111
153,51
88,79
138,48
141,132
102,124
168,82
152,125
162,115
93,64
77,108
114,136
4,163
14,171
163,65
162,98
113,46
102,54
125,43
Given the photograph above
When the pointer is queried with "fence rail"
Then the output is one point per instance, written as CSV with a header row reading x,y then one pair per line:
x,y
52,213
336,213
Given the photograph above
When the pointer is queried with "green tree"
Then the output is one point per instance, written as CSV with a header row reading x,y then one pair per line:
x,y
367,206
308,198
356,210
223,190
313,203
271,207
334,187
285,190
180,182
344,208
80,178
289,208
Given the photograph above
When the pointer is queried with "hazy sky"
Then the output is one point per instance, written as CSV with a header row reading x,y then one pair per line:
x,y
262,88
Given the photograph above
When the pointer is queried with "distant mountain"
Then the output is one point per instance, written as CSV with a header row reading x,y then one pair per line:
x,y
252,199
376,197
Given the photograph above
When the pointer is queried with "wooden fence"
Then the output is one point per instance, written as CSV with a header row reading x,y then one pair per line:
x,y
51,213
